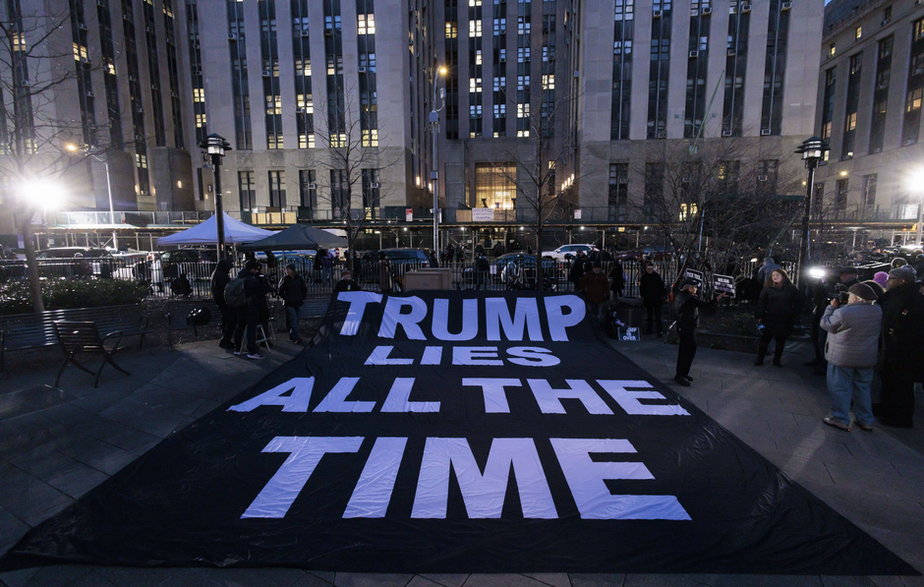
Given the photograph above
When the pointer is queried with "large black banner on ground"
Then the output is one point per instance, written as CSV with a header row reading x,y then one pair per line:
x,y
451,432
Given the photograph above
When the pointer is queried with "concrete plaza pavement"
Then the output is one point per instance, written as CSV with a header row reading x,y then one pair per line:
x,y
57,444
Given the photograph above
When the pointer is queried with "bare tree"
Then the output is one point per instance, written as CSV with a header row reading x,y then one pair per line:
x,y
351,156
35,50
714,200
538,159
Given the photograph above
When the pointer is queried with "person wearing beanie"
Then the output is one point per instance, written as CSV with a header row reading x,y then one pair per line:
x,y
293,290
881,277
899,262
902,347
852,350
879,289
777,309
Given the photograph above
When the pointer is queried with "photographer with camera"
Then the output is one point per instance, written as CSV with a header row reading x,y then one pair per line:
x,y
822,294
251,314
852,350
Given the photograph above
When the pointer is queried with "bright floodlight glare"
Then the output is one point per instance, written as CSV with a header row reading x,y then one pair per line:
x,y
816,272
914,181
45,192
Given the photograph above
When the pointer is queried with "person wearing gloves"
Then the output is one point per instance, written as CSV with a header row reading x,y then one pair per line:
x,y
852,349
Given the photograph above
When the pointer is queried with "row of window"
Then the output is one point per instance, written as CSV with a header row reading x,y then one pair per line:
x,y
337,189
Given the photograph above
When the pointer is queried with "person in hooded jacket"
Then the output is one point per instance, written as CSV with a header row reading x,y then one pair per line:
x,y
777,309
220,279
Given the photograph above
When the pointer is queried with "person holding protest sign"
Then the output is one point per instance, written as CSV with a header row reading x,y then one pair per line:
x,y
777,309
687,306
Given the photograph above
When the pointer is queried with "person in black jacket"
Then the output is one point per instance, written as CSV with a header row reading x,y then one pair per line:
x,y
777,309
250,314
293,290
903,348
687,306
220,279
651,288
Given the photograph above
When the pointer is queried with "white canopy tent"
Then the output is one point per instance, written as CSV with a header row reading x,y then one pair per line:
x,y
206,233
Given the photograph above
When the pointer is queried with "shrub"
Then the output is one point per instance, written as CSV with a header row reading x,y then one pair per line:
x,y
58,294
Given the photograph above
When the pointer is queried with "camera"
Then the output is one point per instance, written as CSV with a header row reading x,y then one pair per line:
x,y
839,293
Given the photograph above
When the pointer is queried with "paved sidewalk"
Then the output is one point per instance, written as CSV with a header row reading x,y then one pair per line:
x,y
55,445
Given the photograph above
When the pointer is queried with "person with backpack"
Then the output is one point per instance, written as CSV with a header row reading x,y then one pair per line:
x,y
293,290
220,280
247,294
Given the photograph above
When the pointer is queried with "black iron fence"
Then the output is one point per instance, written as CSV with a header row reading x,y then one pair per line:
x,y
162,278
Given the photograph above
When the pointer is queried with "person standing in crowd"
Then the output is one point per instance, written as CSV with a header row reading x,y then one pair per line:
x,y
852,350
576,272
902,346
385,276
346,282
617,280
293,290
595,288
250,314
821,293
899,262
919,265
318,264
651,288
432,260
882,278
482,268
777,309
220,279
763,275
687,306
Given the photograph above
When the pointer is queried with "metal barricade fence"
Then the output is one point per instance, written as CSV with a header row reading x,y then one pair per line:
x,y
319,279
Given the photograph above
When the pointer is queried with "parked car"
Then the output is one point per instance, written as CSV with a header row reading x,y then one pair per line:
x,y
566,252
75,262
72,253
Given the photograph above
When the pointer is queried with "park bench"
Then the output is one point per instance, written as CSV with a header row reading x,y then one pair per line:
x,y
20,332
81,338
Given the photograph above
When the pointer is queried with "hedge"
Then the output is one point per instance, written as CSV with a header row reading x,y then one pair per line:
x,y
58,294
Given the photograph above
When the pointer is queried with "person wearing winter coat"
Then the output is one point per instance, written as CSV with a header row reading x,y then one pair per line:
x,y
595,288
687,306
617,280
293,290
220,279
651,288
777,309
852,350
252,313
902,346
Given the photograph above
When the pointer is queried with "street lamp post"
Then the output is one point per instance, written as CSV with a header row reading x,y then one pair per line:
x,y
215,146
812,151
438,96
105,161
